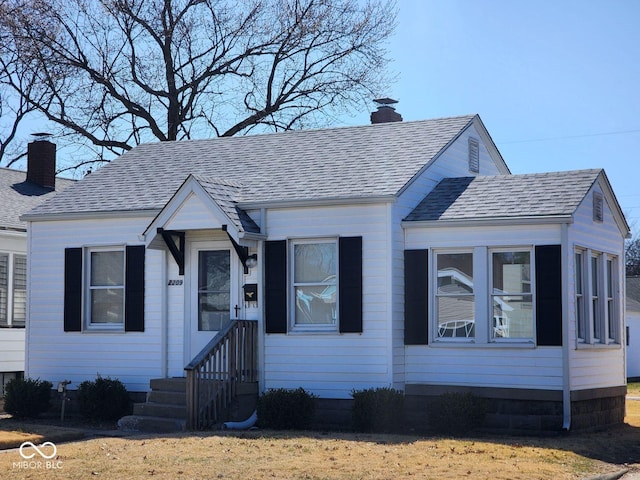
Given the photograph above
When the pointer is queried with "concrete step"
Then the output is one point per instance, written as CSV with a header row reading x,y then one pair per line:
x,y
160,410
172,398
169,384
151,424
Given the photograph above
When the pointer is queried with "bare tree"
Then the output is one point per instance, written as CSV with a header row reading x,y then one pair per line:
x,y
120,72
632,256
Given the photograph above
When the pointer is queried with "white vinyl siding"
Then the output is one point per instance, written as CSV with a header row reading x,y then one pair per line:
x,y
485,363
331,365
54,355
595,365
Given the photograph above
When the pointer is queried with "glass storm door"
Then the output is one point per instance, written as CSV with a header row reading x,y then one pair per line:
x,y
213,295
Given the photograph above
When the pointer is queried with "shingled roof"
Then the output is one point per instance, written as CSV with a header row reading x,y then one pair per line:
x,y
506,196
340,163
17,196
225,194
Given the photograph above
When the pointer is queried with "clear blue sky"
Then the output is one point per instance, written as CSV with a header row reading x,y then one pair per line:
x,y
556,82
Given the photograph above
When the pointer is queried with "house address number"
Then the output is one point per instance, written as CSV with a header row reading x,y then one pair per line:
x,y
174,282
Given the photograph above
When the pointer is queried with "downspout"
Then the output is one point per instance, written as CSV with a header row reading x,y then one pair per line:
x,y
164,318
566,361
28,309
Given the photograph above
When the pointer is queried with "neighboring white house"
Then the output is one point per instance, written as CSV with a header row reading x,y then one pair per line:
x,y
633,327
19,193
367,244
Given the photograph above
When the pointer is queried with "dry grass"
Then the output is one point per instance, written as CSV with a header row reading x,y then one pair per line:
x,y
633,389
14,434
309,455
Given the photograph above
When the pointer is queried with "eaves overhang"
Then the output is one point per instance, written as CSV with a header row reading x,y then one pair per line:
x,y
318,202
490,222
94,215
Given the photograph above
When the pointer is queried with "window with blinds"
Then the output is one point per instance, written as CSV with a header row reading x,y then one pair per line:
x,y
19,291
4,288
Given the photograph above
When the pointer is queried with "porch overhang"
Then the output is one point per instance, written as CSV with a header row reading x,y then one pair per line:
x,y
202,204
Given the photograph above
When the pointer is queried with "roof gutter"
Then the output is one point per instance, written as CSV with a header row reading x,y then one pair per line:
x,y
54,217
318,202
488,222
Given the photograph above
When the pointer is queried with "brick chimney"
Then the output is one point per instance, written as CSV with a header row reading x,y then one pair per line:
x,y
41,161
385,113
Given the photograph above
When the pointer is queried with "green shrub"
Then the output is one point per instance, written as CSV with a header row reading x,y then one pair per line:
x,y
284,409
377,410
457,413
27,397
105,399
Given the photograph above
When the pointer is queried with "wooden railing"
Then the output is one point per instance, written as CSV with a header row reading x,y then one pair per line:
x,y
213,375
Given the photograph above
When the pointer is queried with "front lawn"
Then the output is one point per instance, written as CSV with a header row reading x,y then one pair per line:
x,y
262,455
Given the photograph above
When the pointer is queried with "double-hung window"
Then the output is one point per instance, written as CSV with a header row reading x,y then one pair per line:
x,y
13,290
19,303
610,284
105,289
4,289
597,297
315,284
511,295
596,311
455,298
581,317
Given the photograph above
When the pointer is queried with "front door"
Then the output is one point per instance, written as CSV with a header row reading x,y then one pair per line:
x,y
213,293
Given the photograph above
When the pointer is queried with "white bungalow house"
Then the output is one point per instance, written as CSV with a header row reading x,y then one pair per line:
x,y
399,254
20,192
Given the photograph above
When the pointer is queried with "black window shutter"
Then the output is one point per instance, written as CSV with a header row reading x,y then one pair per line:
x,y
275,277
416,297
134,289
549,295
72,289
350,284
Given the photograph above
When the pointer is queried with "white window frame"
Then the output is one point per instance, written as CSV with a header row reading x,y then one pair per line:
x,y
483,292
99,326
611,300
312,328
5,306
435,296
601,304
9,305
596,312
532,293
13,289
581,309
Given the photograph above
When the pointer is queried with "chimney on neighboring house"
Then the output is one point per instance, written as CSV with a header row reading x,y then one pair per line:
x,y
385,113
41,161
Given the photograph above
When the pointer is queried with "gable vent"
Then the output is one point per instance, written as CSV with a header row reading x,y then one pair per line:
x,y
598,213
474,155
